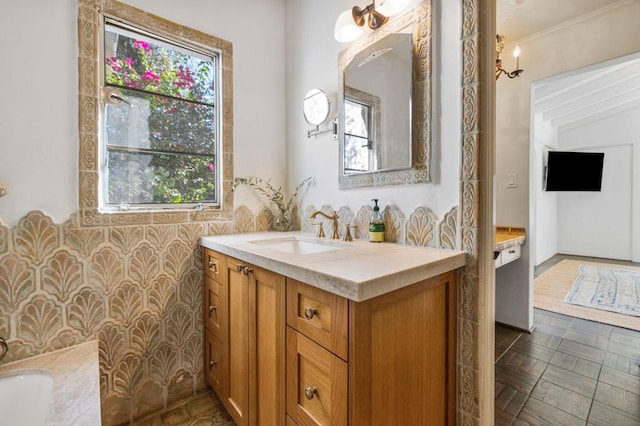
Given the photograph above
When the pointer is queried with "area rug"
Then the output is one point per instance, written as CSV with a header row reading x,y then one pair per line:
x,y
610,289
552,286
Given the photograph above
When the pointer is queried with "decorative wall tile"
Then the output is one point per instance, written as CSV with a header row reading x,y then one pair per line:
x,y
162,293
35,236
161,236
88,152
17,282
126,303
447,230
40,320
242,220
61,275
112,344
420,227
306,219
145,334
4,239
86,310
176,258
83,240
164,363
144,265
220,228
189,233
128,375
362,221
126,237
264,220
393,224
106,269
64,339
345,218
180,324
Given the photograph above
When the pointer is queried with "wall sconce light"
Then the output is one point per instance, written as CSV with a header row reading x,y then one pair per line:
x,y
516,54
349,23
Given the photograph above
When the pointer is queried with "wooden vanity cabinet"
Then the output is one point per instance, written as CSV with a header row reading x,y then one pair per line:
x,y
387,360
251,318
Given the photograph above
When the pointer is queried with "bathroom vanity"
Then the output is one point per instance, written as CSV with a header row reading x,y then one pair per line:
x,y
302,331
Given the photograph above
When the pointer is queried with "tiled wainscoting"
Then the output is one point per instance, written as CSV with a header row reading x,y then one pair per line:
x,y
138,289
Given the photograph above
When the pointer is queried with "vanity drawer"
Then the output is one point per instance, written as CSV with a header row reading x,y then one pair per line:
x,y
319,315
508,254
212,306
316,383
213,264
213,362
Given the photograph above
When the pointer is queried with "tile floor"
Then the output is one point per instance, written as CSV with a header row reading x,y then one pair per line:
x,y
206,410
569,371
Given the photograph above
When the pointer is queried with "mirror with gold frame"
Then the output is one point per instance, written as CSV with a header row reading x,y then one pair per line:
x,y
393,131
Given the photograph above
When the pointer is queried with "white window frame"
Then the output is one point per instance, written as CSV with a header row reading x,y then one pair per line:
x,y
218,166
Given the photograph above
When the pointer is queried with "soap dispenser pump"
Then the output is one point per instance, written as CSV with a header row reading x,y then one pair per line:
x,y
376,226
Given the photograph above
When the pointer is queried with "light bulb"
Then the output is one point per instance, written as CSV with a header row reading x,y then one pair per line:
x,y
346,30
516,54
390,7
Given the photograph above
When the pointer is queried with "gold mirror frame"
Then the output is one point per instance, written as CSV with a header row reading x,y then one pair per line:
x,y
419,171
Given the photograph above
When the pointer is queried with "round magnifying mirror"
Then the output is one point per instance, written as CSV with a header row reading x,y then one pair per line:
x,y
316,107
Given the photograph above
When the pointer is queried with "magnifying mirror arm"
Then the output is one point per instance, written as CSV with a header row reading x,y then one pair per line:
x,y
333,128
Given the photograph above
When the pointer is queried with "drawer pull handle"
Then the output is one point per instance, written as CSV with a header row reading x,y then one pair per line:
x,y
310,312
213,266
212,364
212,308
245,269
512,251
309,391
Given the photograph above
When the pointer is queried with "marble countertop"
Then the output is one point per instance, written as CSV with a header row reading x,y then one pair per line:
x,y
509,236
76,383
359,270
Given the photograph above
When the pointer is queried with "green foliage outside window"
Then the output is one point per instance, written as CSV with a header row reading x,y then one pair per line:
x,y
160,139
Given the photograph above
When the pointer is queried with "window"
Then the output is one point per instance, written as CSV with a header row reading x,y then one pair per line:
x,y
358,136
160,115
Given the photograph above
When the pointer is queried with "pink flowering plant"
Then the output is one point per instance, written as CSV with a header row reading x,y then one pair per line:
x,y
179,90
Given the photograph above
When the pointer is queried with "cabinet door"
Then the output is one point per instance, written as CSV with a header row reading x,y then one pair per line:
x,y
402,355
237,310
316,383
267,348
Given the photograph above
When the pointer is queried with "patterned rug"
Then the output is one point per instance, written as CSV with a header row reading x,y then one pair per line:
x,y
609,289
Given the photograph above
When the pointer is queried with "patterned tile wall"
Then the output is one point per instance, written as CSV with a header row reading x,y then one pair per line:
x,y
138,290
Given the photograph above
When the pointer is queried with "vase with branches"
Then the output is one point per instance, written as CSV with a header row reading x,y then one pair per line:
x,y
283,220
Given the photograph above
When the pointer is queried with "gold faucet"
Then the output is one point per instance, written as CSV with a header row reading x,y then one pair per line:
x,y
334,218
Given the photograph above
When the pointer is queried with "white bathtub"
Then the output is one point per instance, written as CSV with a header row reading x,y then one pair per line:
x,y
56,388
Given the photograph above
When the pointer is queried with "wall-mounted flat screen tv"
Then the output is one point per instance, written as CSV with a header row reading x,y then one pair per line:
x,y
574,171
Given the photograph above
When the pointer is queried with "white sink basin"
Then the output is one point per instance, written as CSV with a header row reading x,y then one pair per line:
x,y
296,245
25,397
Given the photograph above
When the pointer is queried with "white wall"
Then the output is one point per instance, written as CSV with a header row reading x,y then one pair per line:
x,y
545,210
600,224
597,39
38,115
312,61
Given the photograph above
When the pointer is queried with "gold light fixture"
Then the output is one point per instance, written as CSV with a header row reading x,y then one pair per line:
x,y
516,54
349,23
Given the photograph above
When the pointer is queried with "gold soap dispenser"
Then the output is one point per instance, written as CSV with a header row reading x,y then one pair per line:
x,y
376,225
